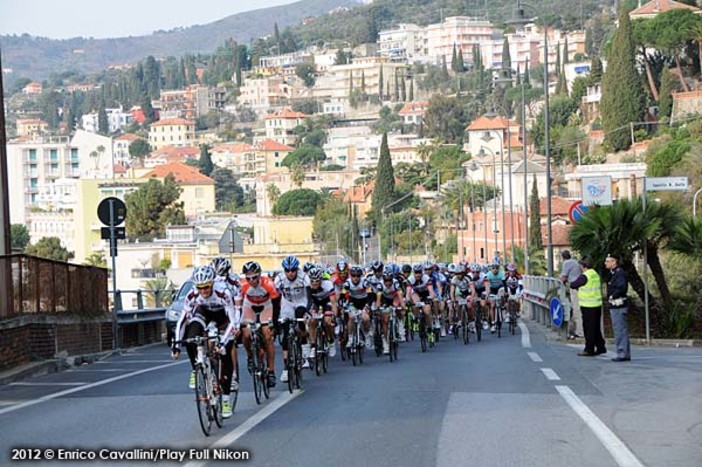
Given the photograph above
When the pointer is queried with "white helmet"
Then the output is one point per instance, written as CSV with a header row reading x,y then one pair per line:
x,y
203,275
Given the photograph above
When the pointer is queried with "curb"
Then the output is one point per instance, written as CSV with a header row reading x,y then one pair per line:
x,y
551,336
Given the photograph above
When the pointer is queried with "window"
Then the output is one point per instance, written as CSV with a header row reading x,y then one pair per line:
x,y
32,154
53,153
74,154
277,154
277,164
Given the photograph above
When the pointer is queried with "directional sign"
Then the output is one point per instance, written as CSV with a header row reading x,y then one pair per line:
x,y
576,211
556,311
666,183
119,210
120,233
597,190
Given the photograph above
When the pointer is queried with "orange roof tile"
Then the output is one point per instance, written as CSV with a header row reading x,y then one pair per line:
x,y
127,137
173,121
175,152
358,194
183,174
559,206
30,121
271,145
232,147
413,108
654,7
491,123
286,113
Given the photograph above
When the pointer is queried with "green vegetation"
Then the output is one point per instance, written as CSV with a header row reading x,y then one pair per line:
x,y
300,202
384,191
152,208
49,248
19,237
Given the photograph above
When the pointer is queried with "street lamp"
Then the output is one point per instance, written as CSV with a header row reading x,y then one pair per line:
x,y
522,19
486,137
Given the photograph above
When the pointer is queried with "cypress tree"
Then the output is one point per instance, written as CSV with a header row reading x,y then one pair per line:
x,y
397,85
566,59
454,59
461,64
350,83
558,59
380,84
596,70
527,80
103,122
622,93
506,59
536,242
668,84
411,90
205,162
363,82
403,89
561,86
384,191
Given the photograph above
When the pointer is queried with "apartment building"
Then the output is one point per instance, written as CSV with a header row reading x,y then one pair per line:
x,y
172,132
120,148
232,156
407,43
117,119
265,93
363,70
31,127
463,32
192,101
280,125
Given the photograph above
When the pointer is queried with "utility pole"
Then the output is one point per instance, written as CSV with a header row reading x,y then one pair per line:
x,y
5,242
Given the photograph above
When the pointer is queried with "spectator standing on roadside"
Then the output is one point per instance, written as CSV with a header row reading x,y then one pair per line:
x,y
617,288
589,290
570,271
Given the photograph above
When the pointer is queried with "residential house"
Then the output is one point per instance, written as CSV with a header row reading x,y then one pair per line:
x,y
493,134
265,93
273,153
191,102
412,113
280,125
653,8
32,89
117,119
232,156
359,199
172,132
171,154
407,43
198,194
31,127
120,148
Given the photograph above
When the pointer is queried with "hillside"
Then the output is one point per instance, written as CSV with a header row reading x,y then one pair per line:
x,y
38,57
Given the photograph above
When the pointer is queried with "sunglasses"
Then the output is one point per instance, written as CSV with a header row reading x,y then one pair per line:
x,y
253,278
204,287
290,270
355,275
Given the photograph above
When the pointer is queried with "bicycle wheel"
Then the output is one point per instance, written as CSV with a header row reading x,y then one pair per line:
x,y
325,353
353,350
263,365
465,332
478,321
234,395
256,373
298,364
422,332
216,370
290,364
202,400
498,317
377,337
512,317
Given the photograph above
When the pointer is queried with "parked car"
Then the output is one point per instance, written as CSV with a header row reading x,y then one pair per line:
x,y
175,309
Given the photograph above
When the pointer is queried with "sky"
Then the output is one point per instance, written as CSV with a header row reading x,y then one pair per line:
x,y
63,19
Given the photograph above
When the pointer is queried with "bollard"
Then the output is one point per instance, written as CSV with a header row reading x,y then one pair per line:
x,y
118,300
140,300
157,298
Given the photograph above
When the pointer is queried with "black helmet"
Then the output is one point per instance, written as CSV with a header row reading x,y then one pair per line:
x,y
252,267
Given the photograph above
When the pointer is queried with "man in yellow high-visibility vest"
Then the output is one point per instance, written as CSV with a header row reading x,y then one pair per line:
x,y
589,290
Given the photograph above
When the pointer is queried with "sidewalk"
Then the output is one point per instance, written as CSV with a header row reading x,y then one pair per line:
x,y
553,336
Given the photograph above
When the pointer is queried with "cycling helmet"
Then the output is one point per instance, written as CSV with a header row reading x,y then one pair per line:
x,y
406,268
452,268
342,265
419,267
393,269
315,274
428,265
252,267
388,275
475,267
356,271
511,267
290,263
221,266
459,269
307,267
495,264
377,265
203,275
441,266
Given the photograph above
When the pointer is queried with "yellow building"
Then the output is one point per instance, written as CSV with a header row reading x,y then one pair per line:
x,y
172,131
272,153
31,127
198,194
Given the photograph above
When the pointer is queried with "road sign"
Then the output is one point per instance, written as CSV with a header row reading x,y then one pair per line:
x,y
556,310
597,190
576,211
120,233
666,183
119,211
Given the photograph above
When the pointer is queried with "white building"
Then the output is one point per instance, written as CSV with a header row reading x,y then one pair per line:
x,y
405,44
120,148
352,147
117,119
265,93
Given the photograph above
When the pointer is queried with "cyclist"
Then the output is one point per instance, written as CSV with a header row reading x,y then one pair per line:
x,y
515,285
226,280
295,291
375,278
420,289
477,281
323,296
461,287
205,305
390,295
495,279
340,275
360,296
259,296
438,281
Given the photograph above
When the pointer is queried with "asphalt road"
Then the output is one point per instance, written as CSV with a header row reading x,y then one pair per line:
x,y
514,401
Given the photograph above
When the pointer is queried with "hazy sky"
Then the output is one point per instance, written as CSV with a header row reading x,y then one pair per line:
x,y
62,19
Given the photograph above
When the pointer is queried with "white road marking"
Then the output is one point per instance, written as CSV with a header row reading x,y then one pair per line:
x,y
250,423
535,357
101,370
10,402
47,384
526,340
87,386
550,374
133,361
616,447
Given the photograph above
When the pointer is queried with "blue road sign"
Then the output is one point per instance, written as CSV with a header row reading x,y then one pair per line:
x,y
556,310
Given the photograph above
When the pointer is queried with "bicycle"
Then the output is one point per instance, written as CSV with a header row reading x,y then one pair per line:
x,y
357,339
498,313
378,332
512,313
411,325
343,337
294,362
321,360
462,311
393,340
259,371
424,335
208,390
478,321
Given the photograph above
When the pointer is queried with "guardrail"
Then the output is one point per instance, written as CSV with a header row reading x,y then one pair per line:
x,y
140,325
538,292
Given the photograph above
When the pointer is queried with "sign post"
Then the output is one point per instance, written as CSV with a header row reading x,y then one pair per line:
x,y
656,184
556,311
112,212
576,211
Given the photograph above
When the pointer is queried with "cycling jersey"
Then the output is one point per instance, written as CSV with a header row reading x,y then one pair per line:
x,y
438,281
218,307
514,283
389,292
359,294
294,291
478,280
462,286
420,287
228,282
321,296
496,281
261,293
375,282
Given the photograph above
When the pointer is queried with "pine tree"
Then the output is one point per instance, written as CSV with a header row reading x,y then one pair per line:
x,y
380,84
384,190
622,93
536,242
668,85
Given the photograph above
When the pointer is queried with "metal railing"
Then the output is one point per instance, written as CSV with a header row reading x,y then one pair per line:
x,y
46,286
538,292
140,316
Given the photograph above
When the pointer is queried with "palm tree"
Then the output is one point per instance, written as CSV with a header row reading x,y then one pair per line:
x,y
666,218
688,238
537,260
297,175
273,193
617,229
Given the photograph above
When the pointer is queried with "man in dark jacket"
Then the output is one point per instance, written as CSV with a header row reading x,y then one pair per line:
x,y
618,306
